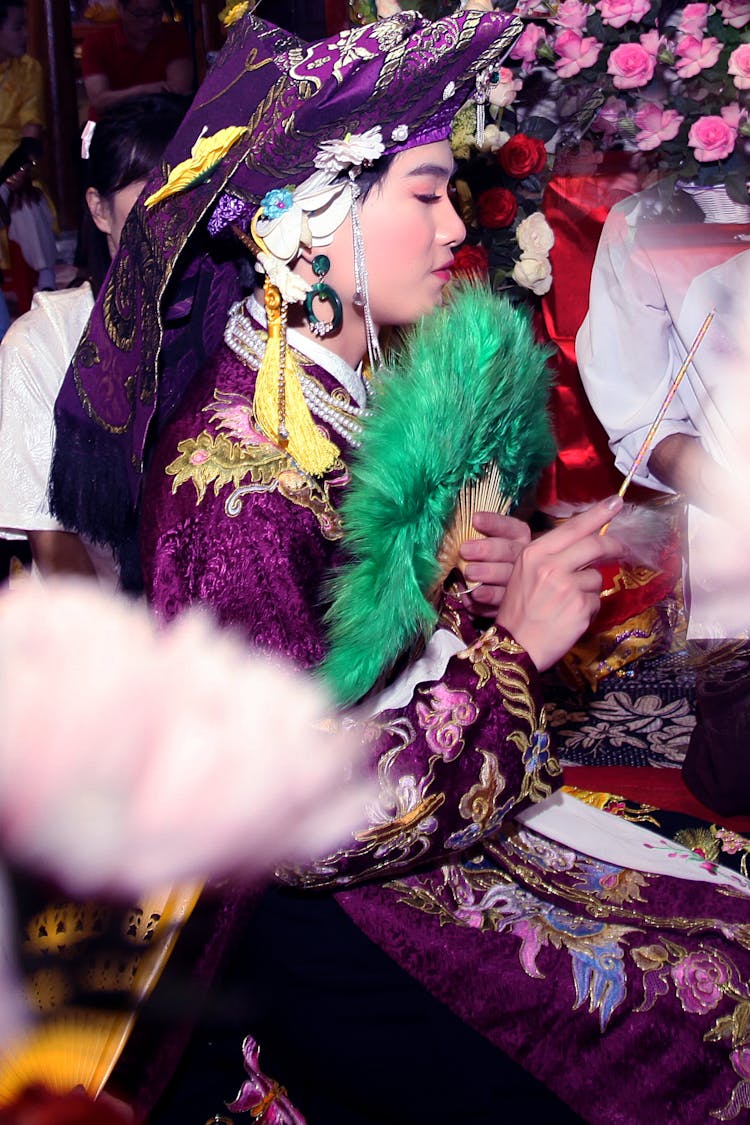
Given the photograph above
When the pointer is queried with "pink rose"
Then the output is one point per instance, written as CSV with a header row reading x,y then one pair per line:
x,y
607,120
694,18
571,14
733,115
527,8
697,980
576,52
695,55
652,42
655,125
739,66
712,138
631,66
735,12
526,47
619,12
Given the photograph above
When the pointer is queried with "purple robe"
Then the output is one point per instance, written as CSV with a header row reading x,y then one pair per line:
x,y
626,993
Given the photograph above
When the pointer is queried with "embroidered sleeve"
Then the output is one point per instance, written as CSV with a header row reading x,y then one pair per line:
x,y
467,751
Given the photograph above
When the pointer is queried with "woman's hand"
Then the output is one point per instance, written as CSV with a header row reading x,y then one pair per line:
x,y
554,589
491,560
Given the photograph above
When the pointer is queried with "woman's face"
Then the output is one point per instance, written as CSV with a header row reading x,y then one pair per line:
x,y
410,229
13,34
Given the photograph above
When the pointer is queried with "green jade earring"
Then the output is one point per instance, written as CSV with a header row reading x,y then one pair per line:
x,y
321,265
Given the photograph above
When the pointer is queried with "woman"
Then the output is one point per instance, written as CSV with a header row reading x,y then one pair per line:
x,y
446,939
37,349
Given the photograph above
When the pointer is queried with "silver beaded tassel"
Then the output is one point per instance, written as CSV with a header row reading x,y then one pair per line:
x,y
362,297
481,97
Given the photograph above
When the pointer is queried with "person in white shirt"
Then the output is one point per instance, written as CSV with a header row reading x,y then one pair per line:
x,y
653,284
36,351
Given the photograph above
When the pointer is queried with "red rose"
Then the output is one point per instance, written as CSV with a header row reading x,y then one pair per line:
x,y
471,261
497,207
522,156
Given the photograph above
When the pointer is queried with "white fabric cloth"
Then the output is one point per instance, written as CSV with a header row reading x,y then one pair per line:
x,y
651,288
31,226
575,824
34,356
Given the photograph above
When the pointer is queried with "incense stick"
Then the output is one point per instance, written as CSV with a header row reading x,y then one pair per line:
x,y
665,405
646,444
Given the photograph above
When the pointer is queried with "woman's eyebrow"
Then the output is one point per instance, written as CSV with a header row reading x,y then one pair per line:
x,y
446,170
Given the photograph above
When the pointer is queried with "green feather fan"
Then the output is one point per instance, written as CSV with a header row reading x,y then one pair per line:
x,y
469,387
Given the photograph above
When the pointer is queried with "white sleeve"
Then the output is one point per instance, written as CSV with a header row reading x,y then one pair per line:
x,y
626,348
34,356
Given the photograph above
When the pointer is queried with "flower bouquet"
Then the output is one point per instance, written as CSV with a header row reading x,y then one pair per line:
x,y
499,182
670,83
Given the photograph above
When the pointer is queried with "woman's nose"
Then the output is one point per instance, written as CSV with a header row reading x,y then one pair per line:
x,y
452,229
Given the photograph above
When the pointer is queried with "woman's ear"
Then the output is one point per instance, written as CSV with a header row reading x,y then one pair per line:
x,y
100,210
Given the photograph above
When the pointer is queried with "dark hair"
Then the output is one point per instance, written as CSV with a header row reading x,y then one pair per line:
x,y
127,144
372,175
129,140
6,6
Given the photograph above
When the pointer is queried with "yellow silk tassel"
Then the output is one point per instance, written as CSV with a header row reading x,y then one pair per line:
x,y
279,404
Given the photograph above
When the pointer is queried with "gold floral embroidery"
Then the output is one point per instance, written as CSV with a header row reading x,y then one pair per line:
x,y
386,833
479,803
513,684
206,460
221,461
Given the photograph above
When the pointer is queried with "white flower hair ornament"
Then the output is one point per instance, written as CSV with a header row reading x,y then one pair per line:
x,y
289,219
351,152
308,215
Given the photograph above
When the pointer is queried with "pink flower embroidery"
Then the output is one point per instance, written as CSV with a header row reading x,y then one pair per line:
x,y
698,979
631,65
617,13
260,1096
695,55
735,12
576,53
712,138
739,66
693,19
655,125
741,1062
526,47
444,721
732,843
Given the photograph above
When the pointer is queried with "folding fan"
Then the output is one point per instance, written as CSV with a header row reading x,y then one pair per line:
x,y
70,1044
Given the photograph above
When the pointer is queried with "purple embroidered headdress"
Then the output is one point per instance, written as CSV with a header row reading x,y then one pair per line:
x,y
162,310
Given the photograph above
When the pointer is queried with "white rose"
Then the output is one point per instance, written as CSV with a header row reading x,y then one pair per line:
x,y
534,274
535,236
494,138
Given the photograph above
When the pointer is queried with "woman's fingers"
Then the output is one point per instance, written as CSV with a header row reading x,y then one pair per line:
x,y
554,589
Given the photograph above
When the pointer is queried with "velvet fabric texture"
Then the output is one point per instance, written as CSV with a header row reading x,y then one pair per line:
x,y
578,969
